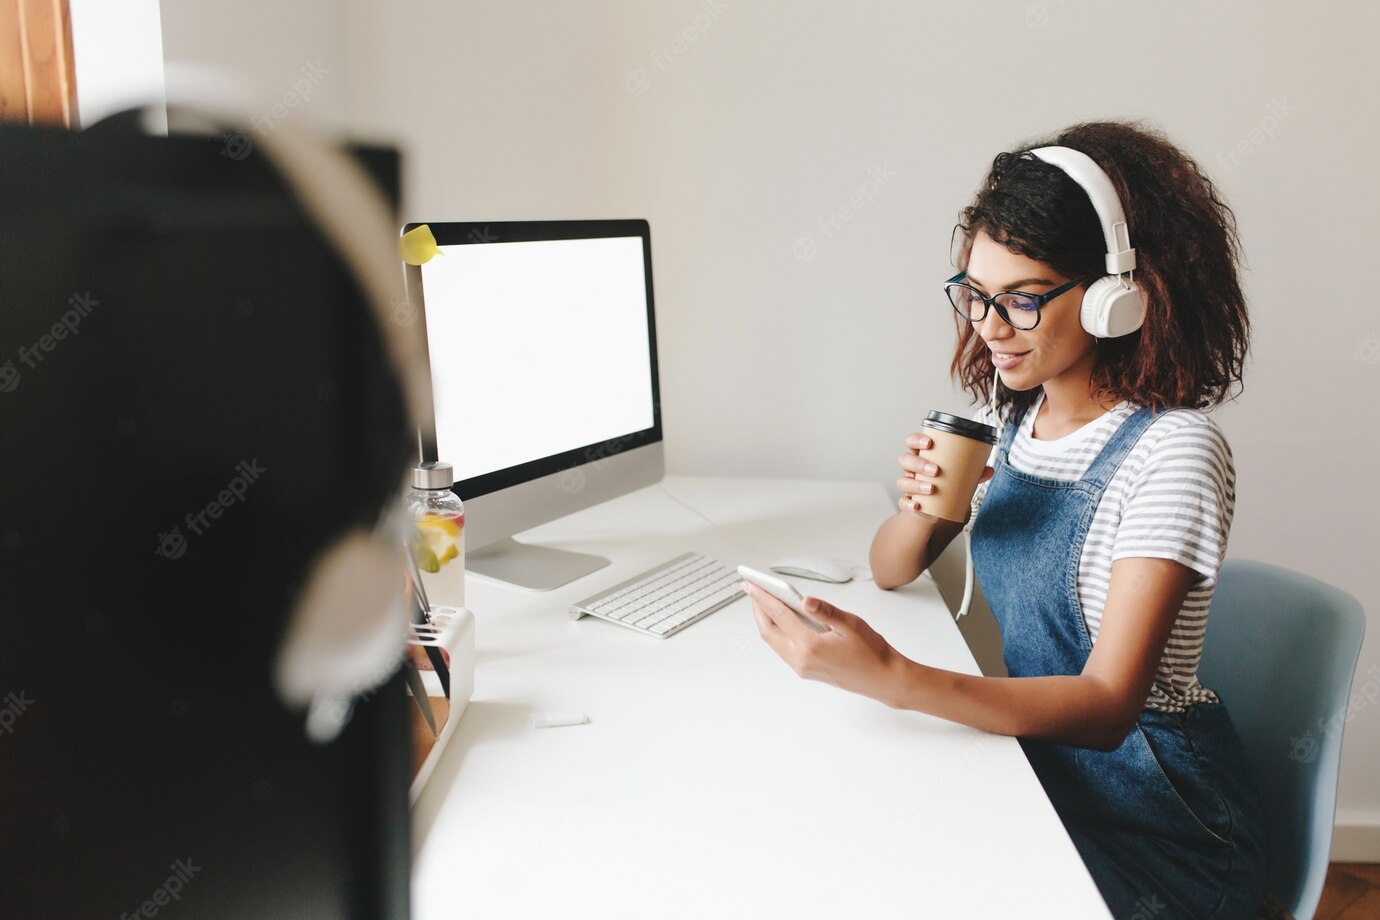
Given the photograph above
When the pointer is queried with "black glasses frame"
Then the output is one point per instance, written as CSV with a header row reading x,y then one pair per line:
x,y
989,302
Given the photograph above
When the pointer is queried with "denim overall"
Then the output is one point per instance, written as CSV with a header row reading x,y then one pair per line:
x,y
1169,823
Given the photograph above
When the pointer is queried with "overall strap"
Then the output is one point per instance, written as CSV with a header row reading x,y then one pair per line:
x,y
1104,467
1009,433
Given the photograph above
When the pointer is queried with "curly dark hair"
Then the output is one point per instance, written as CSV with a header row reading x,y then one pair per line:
x,y
1192,346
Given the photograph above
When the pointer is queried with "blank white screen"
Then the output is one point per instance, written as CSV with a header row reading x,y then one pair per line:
x,y
536,348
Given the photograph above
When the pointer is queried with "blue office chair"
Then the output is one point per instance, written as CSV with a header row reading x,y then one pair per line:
x,y
1281,652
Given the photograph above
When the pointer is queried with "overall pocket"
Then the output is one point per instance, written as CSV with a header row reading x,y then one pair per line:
x,y
1187,778
1154,787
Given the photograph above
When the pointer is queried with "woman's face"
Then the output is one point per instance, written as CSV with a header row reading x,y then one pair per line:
x,y
1057,345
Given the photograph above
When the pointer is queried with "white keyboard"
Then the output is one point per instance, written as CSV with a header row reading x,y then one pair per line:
x,y
664,600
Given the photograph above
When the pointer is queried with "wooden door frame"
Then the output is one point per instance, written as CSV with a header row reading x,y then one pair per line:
x,y
38,79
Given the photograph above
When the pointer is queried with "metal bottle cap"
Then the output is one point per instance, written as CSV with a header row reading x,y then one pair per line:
x,y
433,476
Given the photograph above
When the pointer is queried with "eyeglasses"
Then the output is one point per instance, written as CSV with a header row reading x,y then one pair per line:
x,y
1019,309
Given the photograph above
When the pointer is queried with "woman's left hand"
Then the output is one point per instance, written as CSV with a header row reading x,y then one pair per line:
x,y
849,654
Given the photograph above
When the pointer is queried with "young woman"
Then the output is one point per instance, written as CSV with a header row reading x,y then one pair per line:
x,y
1103,521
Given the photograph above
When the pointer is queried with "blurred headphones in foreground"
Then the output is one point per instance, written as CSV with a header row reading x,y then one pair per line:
x,y
347,631
1114,305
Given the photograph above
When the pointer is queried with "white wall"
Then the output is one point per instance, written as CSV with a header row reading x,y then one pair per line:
x,y
804,336
117,53
285,60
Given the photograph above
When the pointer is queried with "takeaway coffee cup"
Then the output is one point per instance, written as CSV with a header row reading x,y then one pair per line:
x,y
961,448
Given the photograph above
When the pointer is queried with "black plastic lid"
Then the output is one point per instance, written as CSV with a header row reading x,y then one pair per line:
x,y
943,421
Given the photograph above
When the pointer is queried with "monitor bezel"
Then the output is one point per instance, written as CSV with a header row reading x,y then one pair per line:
x,y
484,232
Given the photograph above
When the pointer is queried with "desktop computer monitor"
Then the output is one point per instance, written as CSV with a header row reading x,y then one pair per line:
x,y
542,342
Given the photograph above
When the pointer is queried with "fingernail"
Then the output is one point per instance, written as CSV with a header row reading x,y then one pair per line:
x,y
931,469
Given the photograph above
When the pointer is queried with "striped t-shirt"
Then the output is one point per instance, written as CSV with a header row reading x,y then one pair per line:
x,y
1173,497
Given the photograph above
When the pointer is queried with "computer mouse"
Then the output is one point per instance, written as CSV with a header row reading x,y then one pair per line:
x,y
819,568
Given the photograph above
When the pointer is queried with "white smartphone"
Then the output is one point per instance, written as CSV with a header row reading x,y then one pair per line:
x,y
784,592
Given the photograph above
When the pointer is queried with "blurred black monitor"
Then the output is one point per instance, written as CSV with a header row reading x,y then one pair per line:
x,y
173,331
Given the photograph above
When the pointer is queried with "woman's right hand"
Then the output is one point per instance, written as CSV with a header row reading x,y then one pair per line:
x,y
921,477
917,474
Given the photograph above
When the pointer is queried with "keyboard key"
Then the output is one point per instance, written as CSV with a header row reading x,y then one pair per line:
x,y
669,596
679,618
702,606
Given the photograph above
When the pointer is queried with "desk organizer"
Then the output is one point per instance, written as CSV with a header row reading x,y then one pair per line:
x,y
451,632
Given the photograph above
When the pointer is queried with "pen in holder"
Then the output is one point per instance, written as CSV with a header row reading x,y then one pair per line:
x,y
446,644
439,669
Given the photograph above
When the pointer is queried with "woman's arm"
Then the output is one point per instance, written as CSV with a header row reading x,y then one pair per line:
x,y
905,545
1092,709
1095,709
909,541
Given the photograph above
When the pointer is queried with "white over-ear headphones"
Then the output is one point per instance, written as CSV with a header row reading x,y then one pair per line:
x,y
1114,304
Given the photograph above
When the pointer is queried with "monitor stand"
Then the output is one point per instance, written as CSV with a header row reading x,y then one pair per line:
x,y
526,565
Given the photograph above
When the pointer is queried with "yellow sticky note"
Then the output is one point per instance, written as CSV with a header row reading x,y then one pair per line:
x,y
418,245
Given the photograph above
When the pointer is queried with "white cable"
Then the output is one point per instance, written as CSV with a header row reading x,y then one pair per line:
x,y
967,575
722,532
972,517
861,572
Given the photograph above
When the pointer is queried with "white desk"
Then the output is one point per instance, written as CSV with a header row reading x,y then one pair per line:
x,y
711,781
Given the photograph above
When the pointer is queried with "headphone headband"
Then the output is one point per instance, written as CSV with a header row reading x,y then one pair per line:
x,y
1083,169
1113,305
347,631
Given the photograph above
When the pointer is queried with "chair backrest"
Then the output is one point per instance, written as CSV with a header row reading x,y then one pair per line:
x,y
1281,652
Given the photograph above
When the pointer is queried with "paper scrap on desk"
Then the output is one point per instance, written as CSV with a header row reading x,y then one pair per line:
x,y
554,719
418,245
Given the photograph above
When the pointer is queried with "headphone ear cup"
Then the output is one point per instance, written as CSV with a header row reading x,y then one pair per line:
x,y
347,632
1112,308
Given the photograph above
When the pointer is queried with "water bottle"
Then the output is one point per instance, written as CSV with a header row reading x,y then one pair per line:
x,y
438,544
